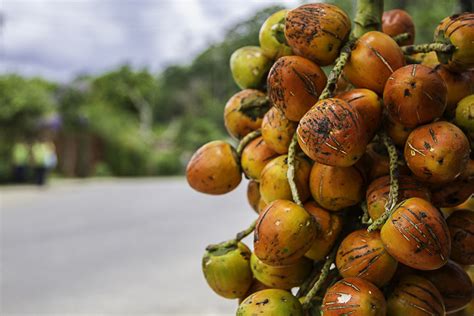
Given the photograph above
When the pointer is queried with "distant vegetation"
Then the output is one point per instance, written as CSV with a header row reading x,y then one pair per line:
x,y
132,122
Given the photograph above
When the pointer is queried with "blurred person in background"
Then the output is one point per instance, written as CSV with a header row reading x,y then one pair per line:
x,y
20,159
44,159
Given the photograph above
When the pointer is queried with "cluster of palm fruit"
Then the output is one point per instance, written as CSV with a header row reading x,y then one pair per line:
x,y
374,214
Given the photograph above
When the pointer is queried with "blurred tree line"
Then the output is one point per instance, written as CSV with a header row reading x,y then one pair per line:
x,y
132,122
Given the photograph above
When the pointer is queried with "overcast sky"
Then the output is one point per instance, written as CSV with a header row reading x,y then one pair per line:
x,y
58,39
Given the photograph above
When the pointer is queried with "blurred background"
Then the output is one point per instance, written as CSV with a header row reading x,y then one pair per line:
x,y
99,101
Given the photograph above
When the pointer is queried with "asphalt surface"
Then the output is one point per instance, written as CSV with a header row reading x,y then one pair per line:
x,y
113,247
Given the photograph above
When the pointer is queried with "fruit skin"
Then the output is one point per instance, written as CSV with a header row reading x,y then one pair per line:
x,y
271,302
284,233
274,181
317,31
253,194
397,132
277,130
214,168
416,235
374,58
378,193
281,277
456,192
255,287
294,85
255,157
237,123
376,162
227,270
459,85
458,31
465,114
414,95
437,152
395,22
362,254
329,227
461,228
335,188
355,297
415,296
333,133
249,66
427,59
454,285
269,39
369,106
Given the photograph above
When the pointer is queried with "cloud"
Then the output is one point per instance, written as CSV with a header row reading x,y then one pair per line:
x,y
61,38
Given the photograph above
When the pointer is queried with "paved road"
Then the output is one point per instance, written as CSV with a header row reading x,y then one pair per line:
x,y
110,247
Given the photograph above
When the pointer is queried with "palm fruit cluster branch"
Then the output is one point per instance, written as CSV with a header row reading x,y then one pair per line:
x,y
362,179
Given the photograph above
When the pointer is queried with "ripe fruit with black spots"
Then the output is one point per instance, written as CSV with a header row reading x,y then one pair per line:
x,y
255,157
277,130
294,85
355,297
329,227
437,152
374,58
333,133
237,122
417,235
461,229
284,233
335,188
414,95
317,31
214,168
415,296
362,254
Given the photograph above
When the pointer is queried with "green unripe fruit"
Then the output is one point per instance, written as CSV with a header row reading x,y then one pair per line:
x,y
249,67
271,302
227,270
465,114
272,36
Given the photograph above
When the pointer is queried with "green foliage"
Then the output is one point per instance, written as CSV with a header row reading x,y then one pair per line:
x,y
23,102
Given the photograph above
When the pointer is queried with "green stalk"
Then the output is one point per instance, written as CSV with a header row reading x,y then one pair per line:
x,y
368,17
393,193
426,48
232,242
401,37
246,140
292,169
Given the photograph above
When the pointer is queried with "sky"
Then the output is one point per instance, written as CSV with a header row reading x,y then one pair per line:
x,y
59,39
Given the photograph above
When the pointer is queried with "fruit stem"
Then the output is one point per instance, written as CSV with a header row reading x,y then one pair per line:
x,y
365,217
401,37
426,48
321,279
279,32
291,170
337,70
232,242
368,17
255,106
246,140
393,192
